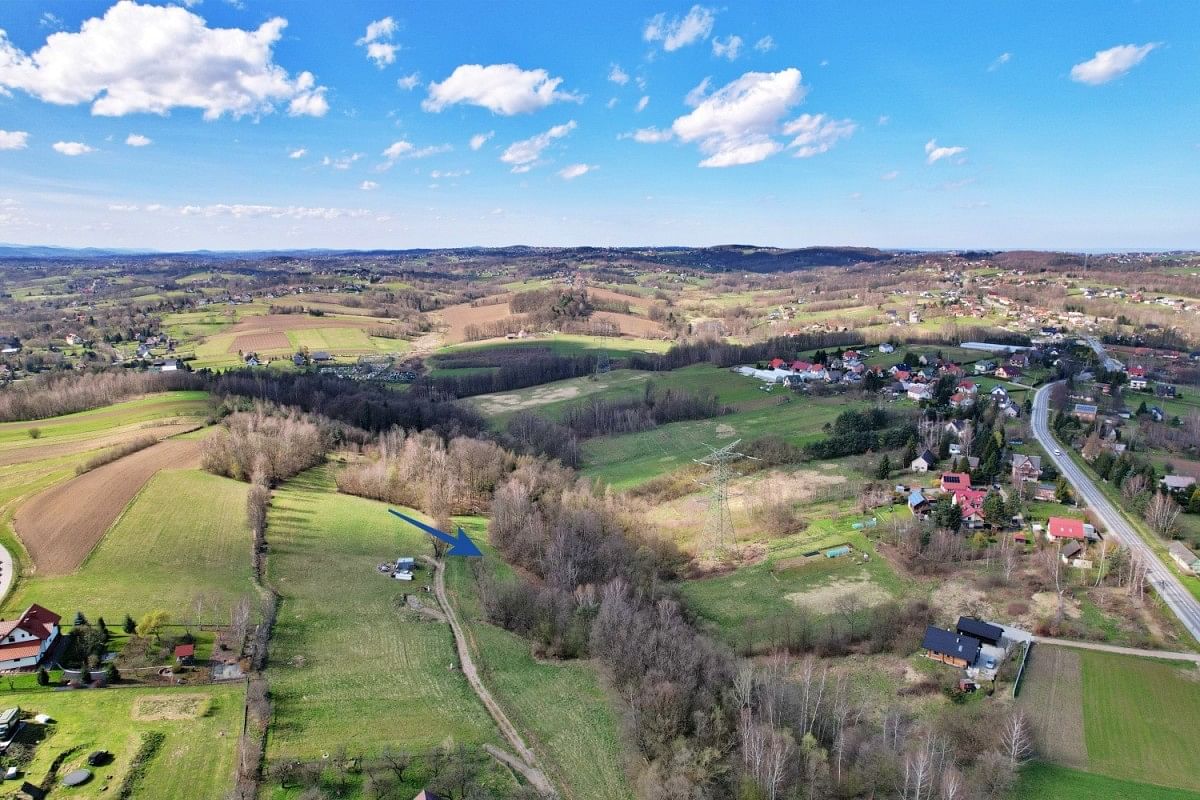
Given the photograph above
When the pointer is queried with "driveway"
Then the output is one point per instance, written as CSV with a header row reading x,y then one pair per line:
x,y
1168,586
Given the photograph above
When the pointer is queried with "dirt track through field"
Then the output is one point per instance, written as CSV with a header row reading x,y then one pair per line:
x,y
61,525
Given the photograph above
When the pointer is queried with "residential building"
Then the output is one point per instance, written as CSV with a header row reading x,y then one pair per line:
x,y
949,647
25,640
1027,468
923,462
1063,528
1186,559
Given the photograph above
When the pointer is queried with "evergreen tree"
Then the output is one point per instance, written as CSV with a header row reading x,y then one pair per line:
x,y
85,675
994,511
43,677
80,619
1194,503
1062,491
129,626
111,673
884,468
910,452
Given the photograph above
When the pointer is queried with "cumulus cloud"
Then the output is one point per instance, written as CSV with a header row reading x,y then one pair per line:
x,y
730,48
573,171
137,140
933,153
299,152
14,140
765,45
340,162
504,89
73,148
618,75
697,93
378,42
526,154
649,135
999,61
1110,64
679,32
737,123
816,134
151,59
641,104
480,139
368,186
409,82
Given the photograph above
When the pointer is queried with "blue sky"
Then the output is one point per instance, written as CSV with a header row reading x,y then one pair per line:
x,y
1050,125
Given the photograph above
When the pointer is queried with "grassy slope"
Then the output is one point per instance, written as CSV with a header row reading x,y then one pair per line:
x,y
195,761
560,707
348,668
75,427
183,534
1140,717
1041,781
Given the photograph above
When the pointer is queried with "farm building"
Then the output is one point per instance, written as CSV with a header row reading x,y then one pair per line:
x,y
25,640
1186,559
184,653
949,647
1060,528
983,631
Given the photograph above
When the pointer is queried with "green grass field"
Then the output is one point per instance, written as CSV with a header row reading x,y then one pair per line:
x,y
775,586
560,707
1140,719
570,344
629,459
185,533
107,419
195,761
1041,781
348,667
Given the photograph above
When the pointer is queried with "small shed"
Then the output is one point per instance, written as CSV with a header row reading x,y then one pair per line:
x,y
185,653
983,631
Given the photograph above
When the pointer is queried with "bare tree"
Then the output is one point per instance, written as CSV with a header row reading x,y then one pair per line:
x,y
1162,514
1133,486
1016,739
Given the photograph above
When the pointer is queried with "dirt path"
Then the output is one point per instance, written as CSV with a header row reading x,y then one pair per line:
x,y
62,524
1124,651
528,761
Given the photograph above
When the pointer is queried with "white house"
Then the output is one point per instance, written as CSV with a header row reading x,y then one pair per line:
x,y
25,640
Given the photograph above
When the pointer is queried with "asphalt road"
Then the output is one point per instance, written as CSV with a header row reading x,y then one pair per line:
x,y
1169,587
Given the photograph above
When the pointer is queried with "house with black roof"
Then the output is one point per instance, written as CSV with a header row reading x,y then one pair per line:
x,y
949,647
983,631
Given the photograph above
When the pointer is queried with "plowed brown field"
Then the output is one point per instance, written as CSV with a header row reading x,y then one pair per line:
x,y
60,526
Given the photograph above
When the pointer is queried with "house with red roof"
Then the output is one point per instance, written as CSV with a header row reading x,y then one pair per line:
x,y
24,641
1063,529
775,363
968,386
953,481
971,502
1137,372
961,400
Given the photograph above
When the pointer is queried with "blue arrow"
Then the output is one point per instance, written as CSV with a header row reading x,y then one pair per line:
x,y
459,546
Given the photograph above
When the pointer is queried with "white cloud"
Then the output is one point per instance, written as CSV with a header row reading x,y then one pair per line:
x,y
480,139
123,207
933,153
73,148
378,41
730,48
246,211
151,59
618,75
340,162
649,135
999,61
409,82
737,123
299,152
501,88
641,104
816,133
611,104
573,171
679,32
14,140
403,149
137,140
50,20
697,93
884,119
525,154
766,44
1110,64
890,176
457,173
368,186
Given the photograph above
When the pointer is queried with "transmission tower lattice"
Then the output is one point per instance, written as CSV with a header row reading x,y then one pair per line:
x,y
719,527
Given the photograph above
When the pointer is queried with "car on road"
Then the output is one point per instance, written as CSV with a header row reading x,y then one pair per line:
x,y
1057,452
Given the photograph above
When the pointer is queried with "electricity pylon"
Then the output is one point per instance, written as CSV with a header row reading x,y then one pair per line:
x,y
719,528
